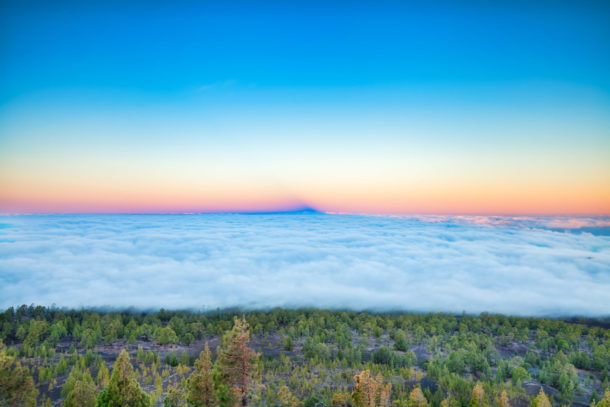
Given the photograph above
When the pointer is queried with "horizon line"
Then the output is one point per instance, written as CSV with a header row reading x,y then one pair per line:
x,y
311,211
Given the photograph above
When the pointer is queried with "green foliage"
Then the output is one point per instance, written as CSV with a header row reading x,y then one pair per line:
x,y
123,389
36,332
315,350
236,366
417,398
81,390
478,397
176,397
559,373
385,356
288,344
309,356
200,384
400,341
16,384
541,400
166,336
519,374
605,402
312,401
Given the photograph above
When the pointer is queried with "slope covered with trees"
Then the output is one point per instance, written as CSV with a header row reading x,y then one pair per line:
x,y
54,357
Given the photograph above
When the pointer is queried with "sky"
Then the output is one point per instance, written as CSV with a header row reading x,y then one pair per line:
x,y
431,107
542,266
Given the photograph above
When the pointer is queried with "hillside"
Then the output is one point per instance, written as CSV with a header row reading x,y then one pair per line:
x,y
310,357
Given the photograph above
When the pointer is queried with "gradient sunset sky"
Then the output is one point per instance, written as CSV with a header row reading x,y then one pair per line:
x,y
471,107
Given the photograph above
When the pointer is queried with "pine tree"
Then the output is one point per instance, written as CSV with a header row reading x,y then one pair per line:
x,y
541,400
103,375
288,345
286,398
200,384
341,400
123,389
417,398
503,400
16,383
236,366
176,396
82,391
477,398
605,401
370,391
449,402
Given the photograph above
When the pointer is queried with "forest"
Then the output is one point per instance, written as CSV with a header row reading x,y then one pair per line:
x,y
299,357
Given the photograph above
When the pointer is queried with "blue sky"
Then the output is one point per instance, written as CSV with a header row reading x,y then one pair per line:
x,y
304,99
165,47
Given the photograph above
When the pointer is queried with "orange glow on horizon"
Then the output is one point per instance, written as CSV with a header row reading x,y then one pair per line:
x,y
467,200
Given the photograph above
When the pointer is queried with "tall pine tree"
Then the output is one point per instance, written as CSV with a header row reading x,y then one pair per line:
x,y
123,389
79,389
236,366
417,398
503,400
541,400
370,391
201,391
477,398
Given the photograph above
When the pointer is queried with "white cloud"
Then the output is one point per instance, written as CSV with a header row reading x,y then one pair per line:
x,y
472,264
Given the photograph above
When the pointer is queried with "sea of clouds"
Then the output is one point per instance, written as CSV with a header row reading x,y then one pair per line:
x,y
523,266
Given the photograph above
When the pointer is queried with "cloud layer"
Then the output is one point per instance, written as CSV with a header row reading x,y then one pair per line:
x,y
521,266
